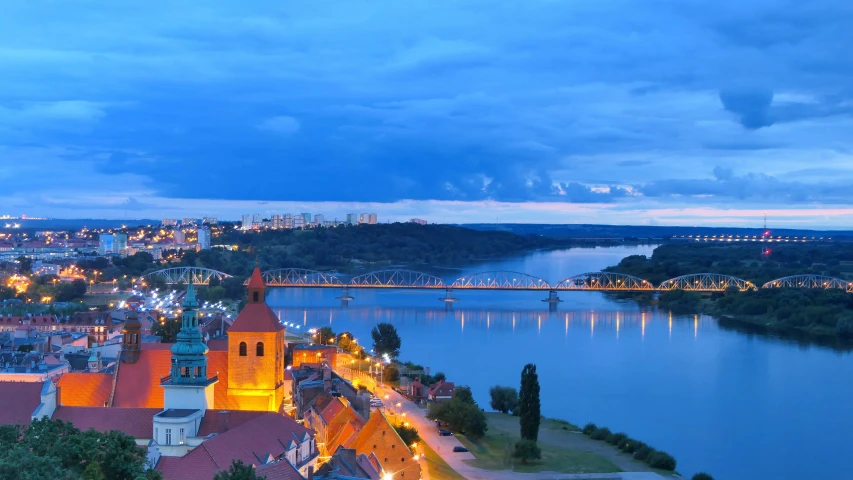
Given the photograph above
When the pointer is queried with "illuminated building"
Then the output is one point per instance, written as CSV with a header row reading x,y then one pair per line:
x,y
256,350
209,221
352,218
170,222
246,222
204,239
371,218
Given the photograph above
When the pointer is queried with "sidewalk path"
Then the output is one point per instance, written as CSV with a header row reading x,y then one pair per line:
x,y
443,446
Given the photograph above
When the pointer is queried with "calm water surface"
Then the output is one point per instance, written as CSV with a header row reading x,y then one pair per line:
x,y
735,405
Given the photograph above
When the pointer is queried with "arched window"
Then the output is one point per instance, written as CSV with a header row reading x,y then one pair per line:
x,y
254,296
242,349
259,349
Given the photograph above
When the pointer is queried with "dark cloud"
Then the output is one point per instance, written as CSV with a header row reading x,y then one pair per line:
x,y
384,100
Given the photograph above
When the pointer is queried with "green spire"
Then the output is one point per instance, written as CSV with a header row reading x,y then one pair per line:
x,y
190,300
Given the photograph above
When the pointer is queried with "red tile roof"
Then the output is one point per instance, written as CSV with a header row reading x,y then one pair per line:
x,y
138,384
80,389
136,422
282,470
256,317
264,435
442,389
18,401
256,280
379,437
213,420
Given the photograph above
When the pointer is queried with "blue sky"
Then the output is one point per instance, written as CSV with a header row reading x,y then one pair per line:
x,y
660,112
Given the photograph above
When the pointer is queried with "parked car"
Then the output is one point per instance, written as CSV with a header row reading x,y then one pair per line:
x,y
444,433
460,449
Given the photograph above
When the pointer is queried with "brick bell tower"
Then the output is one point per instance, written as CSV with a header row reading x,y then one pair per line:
x,y
256,352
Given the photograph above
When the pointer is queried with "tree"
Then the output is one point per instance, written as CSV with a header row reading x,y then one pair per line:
x,y
408,434
439,376
391,373
528,403
325,336
527,450
461,413
238,471
386,340
26,265
504,399
56,449
167,329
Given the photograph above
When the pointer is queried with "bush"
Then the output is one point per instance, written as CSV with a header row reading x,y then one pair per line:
x,y
702,476
615,438
661,460
589,428
527,450
643,452
629,445
600,433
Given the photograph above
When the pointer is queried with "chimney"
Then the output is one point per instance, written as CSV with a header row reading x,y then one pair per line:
x,y
223,419
327,378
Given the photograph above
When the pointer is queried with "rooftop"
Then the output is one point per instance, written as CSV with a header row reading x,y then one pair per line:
x,y
177,412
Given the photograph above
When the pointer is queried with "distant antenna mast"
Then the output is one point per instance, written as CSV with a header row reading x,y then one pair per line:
x,y
765,221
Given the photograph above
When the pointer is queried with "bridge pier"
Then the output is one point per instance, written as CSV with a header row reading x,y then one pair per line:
x,y
345,297
448,298
553,300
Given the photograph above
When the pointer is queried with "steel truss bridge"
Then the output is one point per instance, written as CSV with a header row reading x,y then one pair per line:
x,y
185,275
501,280
504,280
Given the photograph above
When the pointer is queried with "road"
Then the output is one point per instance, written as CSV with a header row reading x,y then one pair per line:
x,y
443,446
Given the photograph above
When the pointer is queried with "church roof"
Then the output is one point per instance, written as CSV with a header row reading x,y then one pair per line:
x,y
256,318
138,384
79,389
253,440
256,280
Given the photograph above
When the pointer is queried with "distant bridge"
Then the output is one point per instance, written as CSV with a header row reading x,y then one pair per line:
x,y
503,280
185,275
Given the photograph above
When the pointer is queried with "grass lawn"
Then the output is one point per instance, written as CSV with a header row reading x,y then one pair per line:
x,y
437,467
494,451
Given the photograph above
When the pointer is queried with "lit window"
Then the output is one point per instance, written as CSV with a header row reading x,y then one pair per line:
x,y
182,438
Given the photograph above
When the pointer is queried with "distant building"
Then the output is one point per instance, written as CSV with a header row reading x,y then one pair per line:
x,y
209,221
170,222
352,218
319,219
189,222
418,221
306,218
180,237
204,238
276,222
288,220
298,221
109,244
246,222
362,218
371,218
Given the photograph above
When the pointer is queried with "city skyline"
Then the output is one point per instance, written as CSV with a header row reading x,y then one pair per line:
x,y
612,112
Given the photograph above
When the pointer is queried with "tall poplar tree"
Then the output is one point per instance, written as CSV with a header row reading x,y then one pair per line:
x,y
528,403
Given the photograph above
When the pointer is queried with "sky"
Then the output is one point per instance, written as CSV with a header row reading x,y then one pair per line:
x,y
544,111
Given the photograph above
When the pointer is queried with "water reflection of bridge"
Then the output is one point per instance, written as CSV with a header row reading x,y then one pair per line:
x,y
501,320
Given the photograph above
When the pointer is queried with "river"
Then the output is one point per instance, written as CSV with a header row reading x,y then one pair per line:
x,y
735,405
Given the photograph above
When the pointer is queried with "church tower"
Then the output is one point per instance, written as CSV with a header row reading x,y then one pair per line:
x,y
130,343
188,386
256,353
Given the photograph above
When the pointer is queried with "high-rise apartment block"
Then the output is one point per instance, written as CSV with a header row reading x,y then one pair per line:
x,y
189,222
204,238
209,221
246,222
319,219
111,244
352,218
418,221
298,221
288,220
170,222
372,218
275,222
180,236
